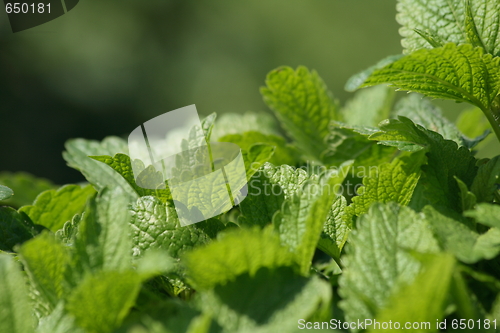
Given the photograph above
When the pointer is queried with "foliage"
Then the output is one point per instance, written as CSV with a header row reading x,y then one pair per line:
x,y
374,211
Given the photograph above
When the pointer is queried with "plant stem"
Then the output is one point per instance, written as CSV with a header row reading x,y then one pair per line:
x,y
493,116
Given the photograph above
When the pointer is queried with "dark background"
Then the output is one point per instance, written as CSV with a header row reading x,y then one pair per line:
x,y
107,66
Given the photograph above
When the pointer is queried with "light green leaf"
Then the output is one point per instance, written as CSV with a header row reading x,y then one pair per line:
x,y
269,301
428,294
335,229
455,237
15,228
447,20
284,153
369,106
5,192
486,214
303,105
391,182
376,263
235,123
486,182
460,73
53,208
156,262
25,186
221,261
101,301
422,112
15,313
267,189
46,262
59,321
302,217
102,241
122,165
155,226
98,174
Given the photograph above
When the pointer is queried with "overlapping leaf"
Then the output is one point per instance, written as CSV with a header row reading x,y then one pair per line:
x,y
462,73
376,262
53,208
445,161
303,105
155,226
456,21
221,261
455,237
15,316
98,174
391,182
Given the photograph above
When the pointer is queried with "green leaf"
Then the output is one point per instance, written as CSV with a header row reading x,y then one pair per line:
x,y
15,228
122,165
15,314
68,232
376,262
267,301
467,198
207,124
422,112
5,192
487,180
450,21
347,142
335,229
220,262
155,226
173,317
460,73
445,160
357,80
264,198
391,182
302,217
235,123
455,237
53,208
103,241
46,261
25,186
486,214
59,321
284,153
101,301
369,106
98,174
267,189
428,294
303,105
256,156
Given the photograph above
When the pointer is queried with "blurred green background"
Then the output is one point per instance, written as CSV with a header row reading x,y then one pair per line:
x,y
107,66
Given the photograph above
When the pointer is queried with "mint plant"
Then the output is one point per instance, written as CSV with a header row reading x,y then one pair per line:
x,y
371,216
